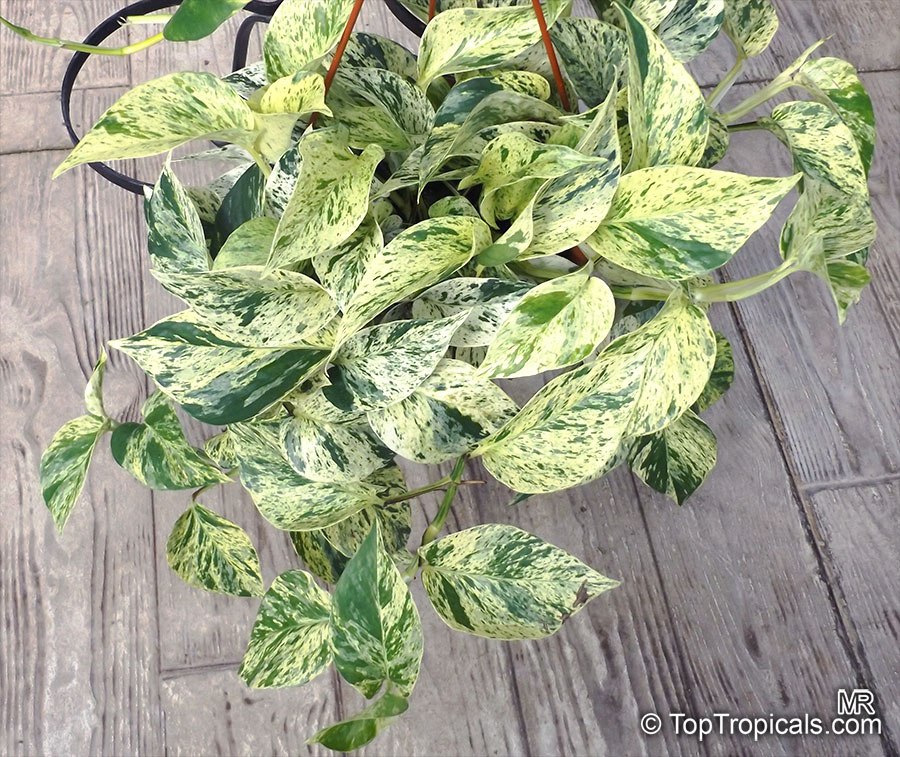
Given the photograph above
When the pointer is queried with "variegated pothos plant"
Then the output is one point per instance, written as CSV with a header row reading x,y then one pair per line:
x,y
358,283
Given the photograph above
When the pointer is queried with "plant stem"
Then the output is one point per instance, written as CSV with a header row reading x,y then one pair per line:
x,y
748,126
640,293
731,291
551,54
715,97
206,488
437,524
778,84
726,292
80,47
149,18
413,493
261,162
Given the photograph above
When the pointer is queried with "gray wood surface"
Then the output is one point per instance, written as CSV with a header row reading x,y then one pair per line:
x,y
770,590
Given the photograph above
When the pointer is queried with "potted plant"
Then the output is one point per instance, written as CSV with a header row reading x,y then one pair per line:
x,y
533,192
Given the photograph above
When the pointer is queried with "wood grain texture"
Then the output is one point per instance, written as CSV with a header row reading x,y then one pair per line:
x,y
860,530
212,712
836,390
864,33
725,604
79,661
29,68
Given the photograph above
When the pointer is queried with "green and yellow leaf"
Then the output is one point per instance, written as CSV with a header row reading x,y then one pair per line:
x,y
93,392
414,260
215,379
376,632
360,729
156,452
574,429
750,25
212,553
676,460
486,301
666,110
65,462
383,364
284,497
290,641
301,32
329,201
500,582
162,114
667,221
555,325
176,239
445,417
467,39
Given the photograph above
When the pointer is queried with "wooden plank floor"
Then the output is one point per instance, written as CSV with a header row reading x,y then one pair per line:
x,y
772,589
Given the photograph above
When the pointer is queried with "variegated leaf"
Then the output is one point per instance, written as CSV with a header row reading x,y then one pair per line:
x,y
282,181
247,245
360,729
341,268
750,25
415,259
376,634
445,417
594,54
156,452
717,143
555,325
722,375
651,12
500,582
290,641
574,428
512,169
300,93
329,200
220,449
676,460
245,81
196,19
835,83
472,107
365,50
176,239
383,364
331,452
279,309
467,39
452,205
65,462
667,221
691,27
835,203
327,551
162,114
666,110
301,32
286,499
212,553
487,302
381,106
214,378
93,392
241,203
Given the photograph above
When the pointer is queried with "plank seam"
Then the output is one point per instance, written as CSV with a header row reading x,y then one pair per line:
x,y
850,483
182,671
845,628
686,680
